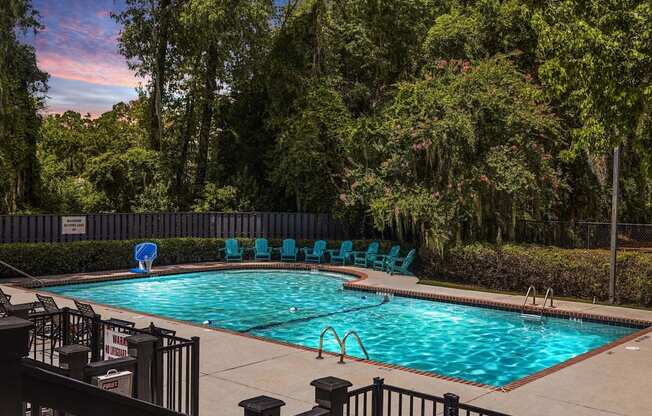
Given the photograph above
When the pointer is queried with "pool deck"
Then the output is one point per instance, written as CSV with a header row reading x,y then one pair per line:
x,y
235,367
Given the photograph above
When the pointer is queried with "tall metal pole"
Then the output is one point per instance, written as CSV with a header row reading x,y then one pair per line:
x,y
614,226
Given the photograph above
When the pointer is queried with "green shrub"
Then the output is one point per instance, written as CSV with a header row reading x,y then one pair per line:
x,y
41,259
574,273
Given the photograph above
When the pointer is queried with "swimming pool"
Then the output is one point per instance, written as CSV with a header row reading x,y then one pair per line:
x,y
476,344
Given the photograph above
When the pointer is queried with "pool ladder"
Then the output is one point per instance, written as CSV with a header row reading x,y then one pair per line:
x,y
341,342
532,291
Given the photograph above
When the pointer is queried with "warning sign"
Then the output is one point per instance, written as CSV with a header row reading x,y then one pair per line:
x,y
115,344
73,225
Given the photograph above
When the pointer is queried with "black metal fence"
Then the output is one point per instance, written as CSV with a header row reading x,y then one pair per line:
x,y
61,228
175,365
380,399
583,234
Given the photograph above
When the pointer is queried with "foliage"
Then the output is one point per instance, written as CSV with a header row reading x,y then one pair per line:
x,y
462,152
22,86
41,259
436,121
597,55
576,273
222,199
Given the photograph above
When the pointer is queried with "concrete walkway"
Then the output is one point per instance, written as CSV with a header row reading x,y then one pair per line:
x,y
235,367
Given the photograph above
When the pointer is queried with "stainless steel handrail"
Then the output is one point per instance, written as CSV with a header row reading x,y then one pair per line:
x,y
355,334
545,299
532,290
321,341
29,276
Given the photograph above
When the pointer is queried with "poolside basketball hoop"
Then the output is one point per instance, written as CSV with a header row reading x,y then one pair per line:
x,y
145,254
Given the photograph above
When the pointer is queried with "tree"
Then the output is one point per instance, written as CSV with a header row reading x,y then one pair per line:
x,y
144,41
597,56
22,86
461,153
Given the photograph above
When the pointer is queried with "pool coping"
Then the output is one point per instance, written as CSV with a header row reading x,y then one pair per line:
x,y
644,326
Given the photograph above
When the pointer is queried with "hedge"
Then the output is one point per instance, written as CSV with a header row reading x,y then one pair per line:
x,y
570,272
41,259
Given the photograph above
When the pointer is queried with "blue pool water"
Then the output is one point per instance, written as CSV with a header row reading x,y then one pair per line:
x,y
477,344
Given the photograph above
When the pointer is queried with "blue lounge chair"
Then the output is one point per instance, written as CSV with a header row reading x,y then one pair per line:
x,y
382,259
342,255
401,264
144,254
316,253
232,250
289,250
262,251
366,258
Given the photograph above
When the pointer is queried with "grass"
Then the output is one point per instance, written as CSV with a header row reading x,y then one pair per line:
x,y
453,285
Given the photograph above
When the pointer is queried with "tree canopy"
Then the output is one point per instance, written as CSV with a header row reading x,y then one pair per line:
x,y
441,121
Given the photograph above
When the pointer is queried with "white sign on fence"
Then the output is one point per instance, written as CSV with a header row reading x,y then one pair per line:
x,y
115,343
117,382
73,225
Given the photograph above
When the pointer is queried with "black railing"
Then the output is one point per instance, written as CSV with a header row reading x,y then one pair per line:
x,y
174,365
46,392
380,399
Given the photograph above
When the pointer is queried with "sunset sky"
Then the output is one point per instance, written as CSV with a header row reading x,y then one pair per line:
x,y
78,48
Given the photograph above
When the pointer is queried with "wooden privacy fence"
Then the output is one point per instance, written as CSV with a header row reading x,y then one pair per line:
x,y
61,228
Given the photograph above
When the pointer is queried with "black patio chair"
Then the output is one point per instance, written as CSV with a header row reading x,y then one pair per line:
x,y
5,304
48,302
48,325
87,310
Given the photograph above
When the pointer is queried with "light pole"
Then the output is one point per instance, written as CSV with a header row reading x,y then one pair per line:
x,y
614,226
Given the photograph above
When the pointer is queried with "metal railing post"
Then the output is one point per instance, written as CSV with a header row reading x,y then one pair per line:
x,y
195,377
96,334
451,404
73,358
331,393
262,406
141,347
377,397
65,325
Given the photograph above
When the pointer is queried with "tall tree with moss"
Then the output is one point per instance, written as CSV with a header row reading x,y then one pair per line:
x,y
22,86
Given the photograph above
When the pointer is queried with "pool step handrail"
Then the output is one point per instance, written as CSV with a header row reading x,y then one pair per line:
x,y
39,282
360,344
530,290
321,340
550,294
341,342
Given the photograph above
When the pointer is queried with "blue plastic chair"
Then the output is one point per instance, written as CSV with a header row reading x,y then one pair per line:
x,y
366,258
289,250
145,254
316,253
382,259
262,251
342,255
232,250
401,264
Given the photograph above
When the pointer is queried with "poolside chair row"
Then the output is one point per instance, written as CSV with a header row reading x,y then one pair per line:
x,y
288,251
49,305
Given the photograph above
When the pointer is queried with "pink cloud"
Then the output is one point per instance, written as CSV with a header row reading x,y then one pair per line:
x,y
87,69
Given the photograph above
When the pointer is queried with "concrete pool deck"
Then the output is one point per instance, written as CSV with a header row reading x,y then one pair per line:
x,y
236,367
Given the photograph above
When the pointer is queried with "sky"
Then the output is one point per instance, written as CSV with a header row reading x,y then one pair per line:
x,y
78,47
